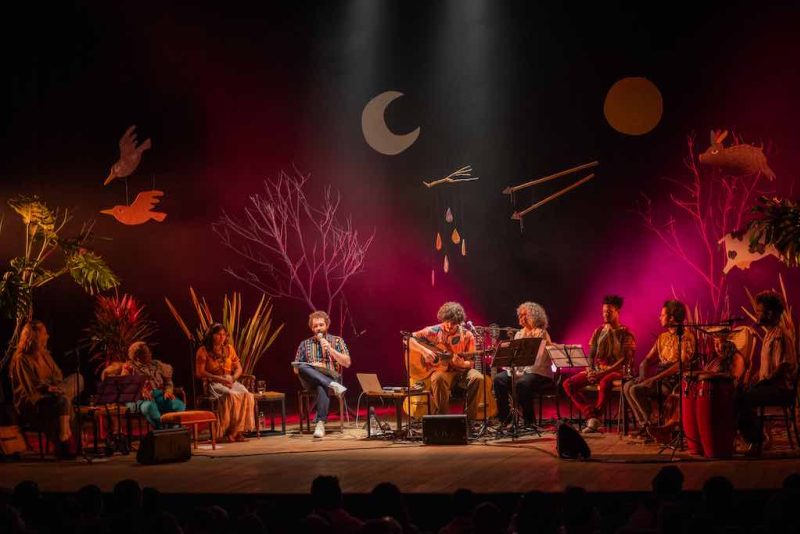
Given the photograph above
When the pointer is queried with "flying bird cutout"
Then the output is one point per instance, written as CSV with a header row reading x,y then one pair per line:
x,y
738,160
140,211
737,251
129,155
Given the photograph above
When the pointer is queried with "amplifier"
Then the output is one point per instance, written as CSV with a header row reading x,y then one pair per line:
x,y
165,446
444,429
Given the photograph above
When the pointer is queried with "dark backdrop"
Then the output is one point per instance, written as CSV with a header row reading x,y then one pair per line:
x,y
231,94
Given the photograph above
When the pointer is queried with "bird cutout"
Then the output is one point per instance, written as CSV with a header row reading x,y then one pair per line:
x,y
456,237
446,264
438,241
738,160
433,278
129,155
737,251
448,216
518,215
463,247
140,211
453,178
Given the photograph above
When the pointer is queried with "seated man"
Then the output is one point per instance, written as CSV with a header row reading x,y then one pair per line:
x,y
666,351
776,374
158,397
611,346
533,320
321,358
453,337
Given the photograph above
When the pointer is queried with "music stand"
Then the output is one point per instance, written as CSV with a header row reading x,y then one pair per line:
x,y
118,390
517,353
567,356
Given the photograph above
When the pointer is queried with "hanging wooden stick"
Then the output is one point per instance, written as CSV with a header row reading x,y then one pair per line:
x,y
518,215
510,190
463,171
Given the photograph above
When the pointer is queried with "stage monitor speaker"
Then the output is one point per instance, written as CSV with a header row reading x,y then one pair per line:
x,y
165,446
570,444
444,429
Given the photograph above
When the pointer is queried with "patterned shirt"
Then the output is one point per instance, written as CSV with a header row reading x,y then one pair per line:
x,y
460,342
215,364
310,351
609,345
158,374
667,347
776,349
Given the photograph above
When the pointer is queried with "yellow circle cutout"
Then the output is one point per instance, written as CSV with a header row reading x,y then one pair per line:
x,y
633,106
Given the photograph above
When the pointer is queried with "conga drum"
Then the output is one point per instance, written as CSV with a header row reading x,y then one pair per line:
x,y
715,416
691,426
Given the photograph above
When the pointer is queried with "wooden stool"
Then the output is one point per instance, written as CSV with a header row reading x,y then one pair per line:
x,y
270,397
193,418
304,397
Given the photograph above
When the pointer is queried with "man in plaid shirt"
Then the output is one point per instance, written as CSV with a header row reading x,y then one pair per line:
x,y
318,365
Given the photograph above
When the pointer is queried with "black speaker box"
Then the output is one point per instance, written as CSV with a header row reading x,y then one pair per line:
x,y
165,446
570,444
444,429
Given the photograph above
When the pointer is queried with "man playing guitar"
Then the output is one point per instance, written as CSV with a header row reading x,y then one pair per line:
x,y
457,371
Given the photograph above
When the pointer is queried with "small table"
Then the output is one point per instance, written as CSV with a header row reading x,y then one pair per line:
x,y
92,412
398,397
270,397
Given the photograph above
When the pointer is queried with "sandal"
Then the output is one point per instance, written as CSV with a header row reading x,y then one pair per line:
x,y
240,438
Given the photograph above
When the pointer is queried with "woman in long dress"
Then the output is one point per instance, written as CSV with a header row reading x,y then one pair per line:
x,y
41,393
218,365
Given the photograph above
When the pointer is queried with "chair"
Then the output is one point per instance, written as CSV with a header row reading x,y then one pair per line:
x,y
787,405
193,419
304,397
552,393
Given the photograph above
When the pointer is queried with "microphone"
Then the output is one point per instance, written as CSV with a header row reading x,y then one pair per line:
x,y
320,337
471,326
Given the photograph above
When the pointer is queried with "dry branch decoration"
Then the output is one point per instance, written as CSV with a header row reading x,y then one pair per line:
x,y
295,249
714,204
464,174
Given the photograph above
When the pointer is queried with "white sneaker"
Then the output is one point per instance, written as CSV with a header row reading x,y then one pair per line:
x,y
592,426
337,388
319,430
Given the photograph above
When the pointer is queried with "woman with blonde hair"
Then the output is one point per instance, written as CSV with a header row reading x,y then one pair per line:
x,y
41,393
216,362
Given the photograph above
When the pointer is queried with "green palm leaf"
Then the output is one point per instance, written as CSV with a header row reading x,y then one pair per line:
x,y
91,272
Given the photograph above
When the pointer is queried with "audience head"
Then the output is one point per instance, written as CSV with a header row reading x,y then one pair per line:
x,y
384,525
127,496
387,500
463,502
668,483
90,499
326,493
673,313
534,513
488,519
769,308
792,482
577,510
251,524
718,495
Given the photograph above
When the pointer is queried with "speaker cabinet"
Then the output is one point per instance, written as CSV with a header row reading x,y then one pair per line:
x,y
570,444
165,446
444,429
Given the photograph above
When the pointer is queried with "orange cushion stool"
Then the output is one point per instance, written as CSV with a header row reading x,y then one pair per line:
x,y
193,418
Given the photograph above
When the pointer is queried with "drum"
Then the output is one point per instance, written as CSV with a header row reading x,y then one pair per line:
x,y
690,423
716,419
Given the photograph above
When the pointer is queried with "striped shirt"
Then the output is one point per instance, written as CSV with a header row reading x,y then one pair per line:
x,y
311,352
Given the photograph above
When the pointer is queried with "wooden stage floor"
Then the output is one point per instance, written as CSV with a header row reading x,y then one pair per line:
x,y
288,464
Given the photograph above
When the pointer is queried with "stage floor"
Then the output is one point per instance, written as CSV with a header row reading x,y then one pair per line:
x,y
288,464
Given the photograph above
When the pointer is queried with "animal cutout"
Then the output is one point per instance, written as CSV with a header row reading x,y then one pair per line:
x,y
140,211
129,155
737,159
737,250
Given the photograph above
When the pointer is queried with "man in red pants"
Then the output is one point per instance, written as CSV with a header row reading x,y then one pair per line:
x,y
611,346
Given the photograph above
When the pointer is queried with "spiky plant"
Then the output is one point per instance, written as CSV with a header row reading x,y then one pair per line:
x,y
39,264
777,223
251,339
117,323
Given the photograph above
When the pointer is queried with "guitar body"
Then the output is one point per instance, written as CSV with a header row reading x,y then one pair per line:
x,y
417,406
418,367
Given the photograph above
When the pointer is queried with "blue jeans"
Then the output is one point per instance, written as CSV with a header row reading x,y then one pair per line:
x,y
313,380
152,409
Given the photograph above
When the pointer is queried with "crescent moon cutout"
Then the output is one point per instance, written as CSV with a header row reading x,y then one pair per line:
x,y
377,133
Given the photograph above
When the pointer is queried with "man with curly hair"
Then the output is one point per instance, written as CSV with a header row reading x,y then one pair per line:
x,y
611,346
666,351
776,374
533,320
461,373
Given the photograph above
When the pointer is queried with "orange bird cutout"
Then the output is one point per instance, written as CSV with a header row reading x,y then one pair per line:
x,y
140,211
